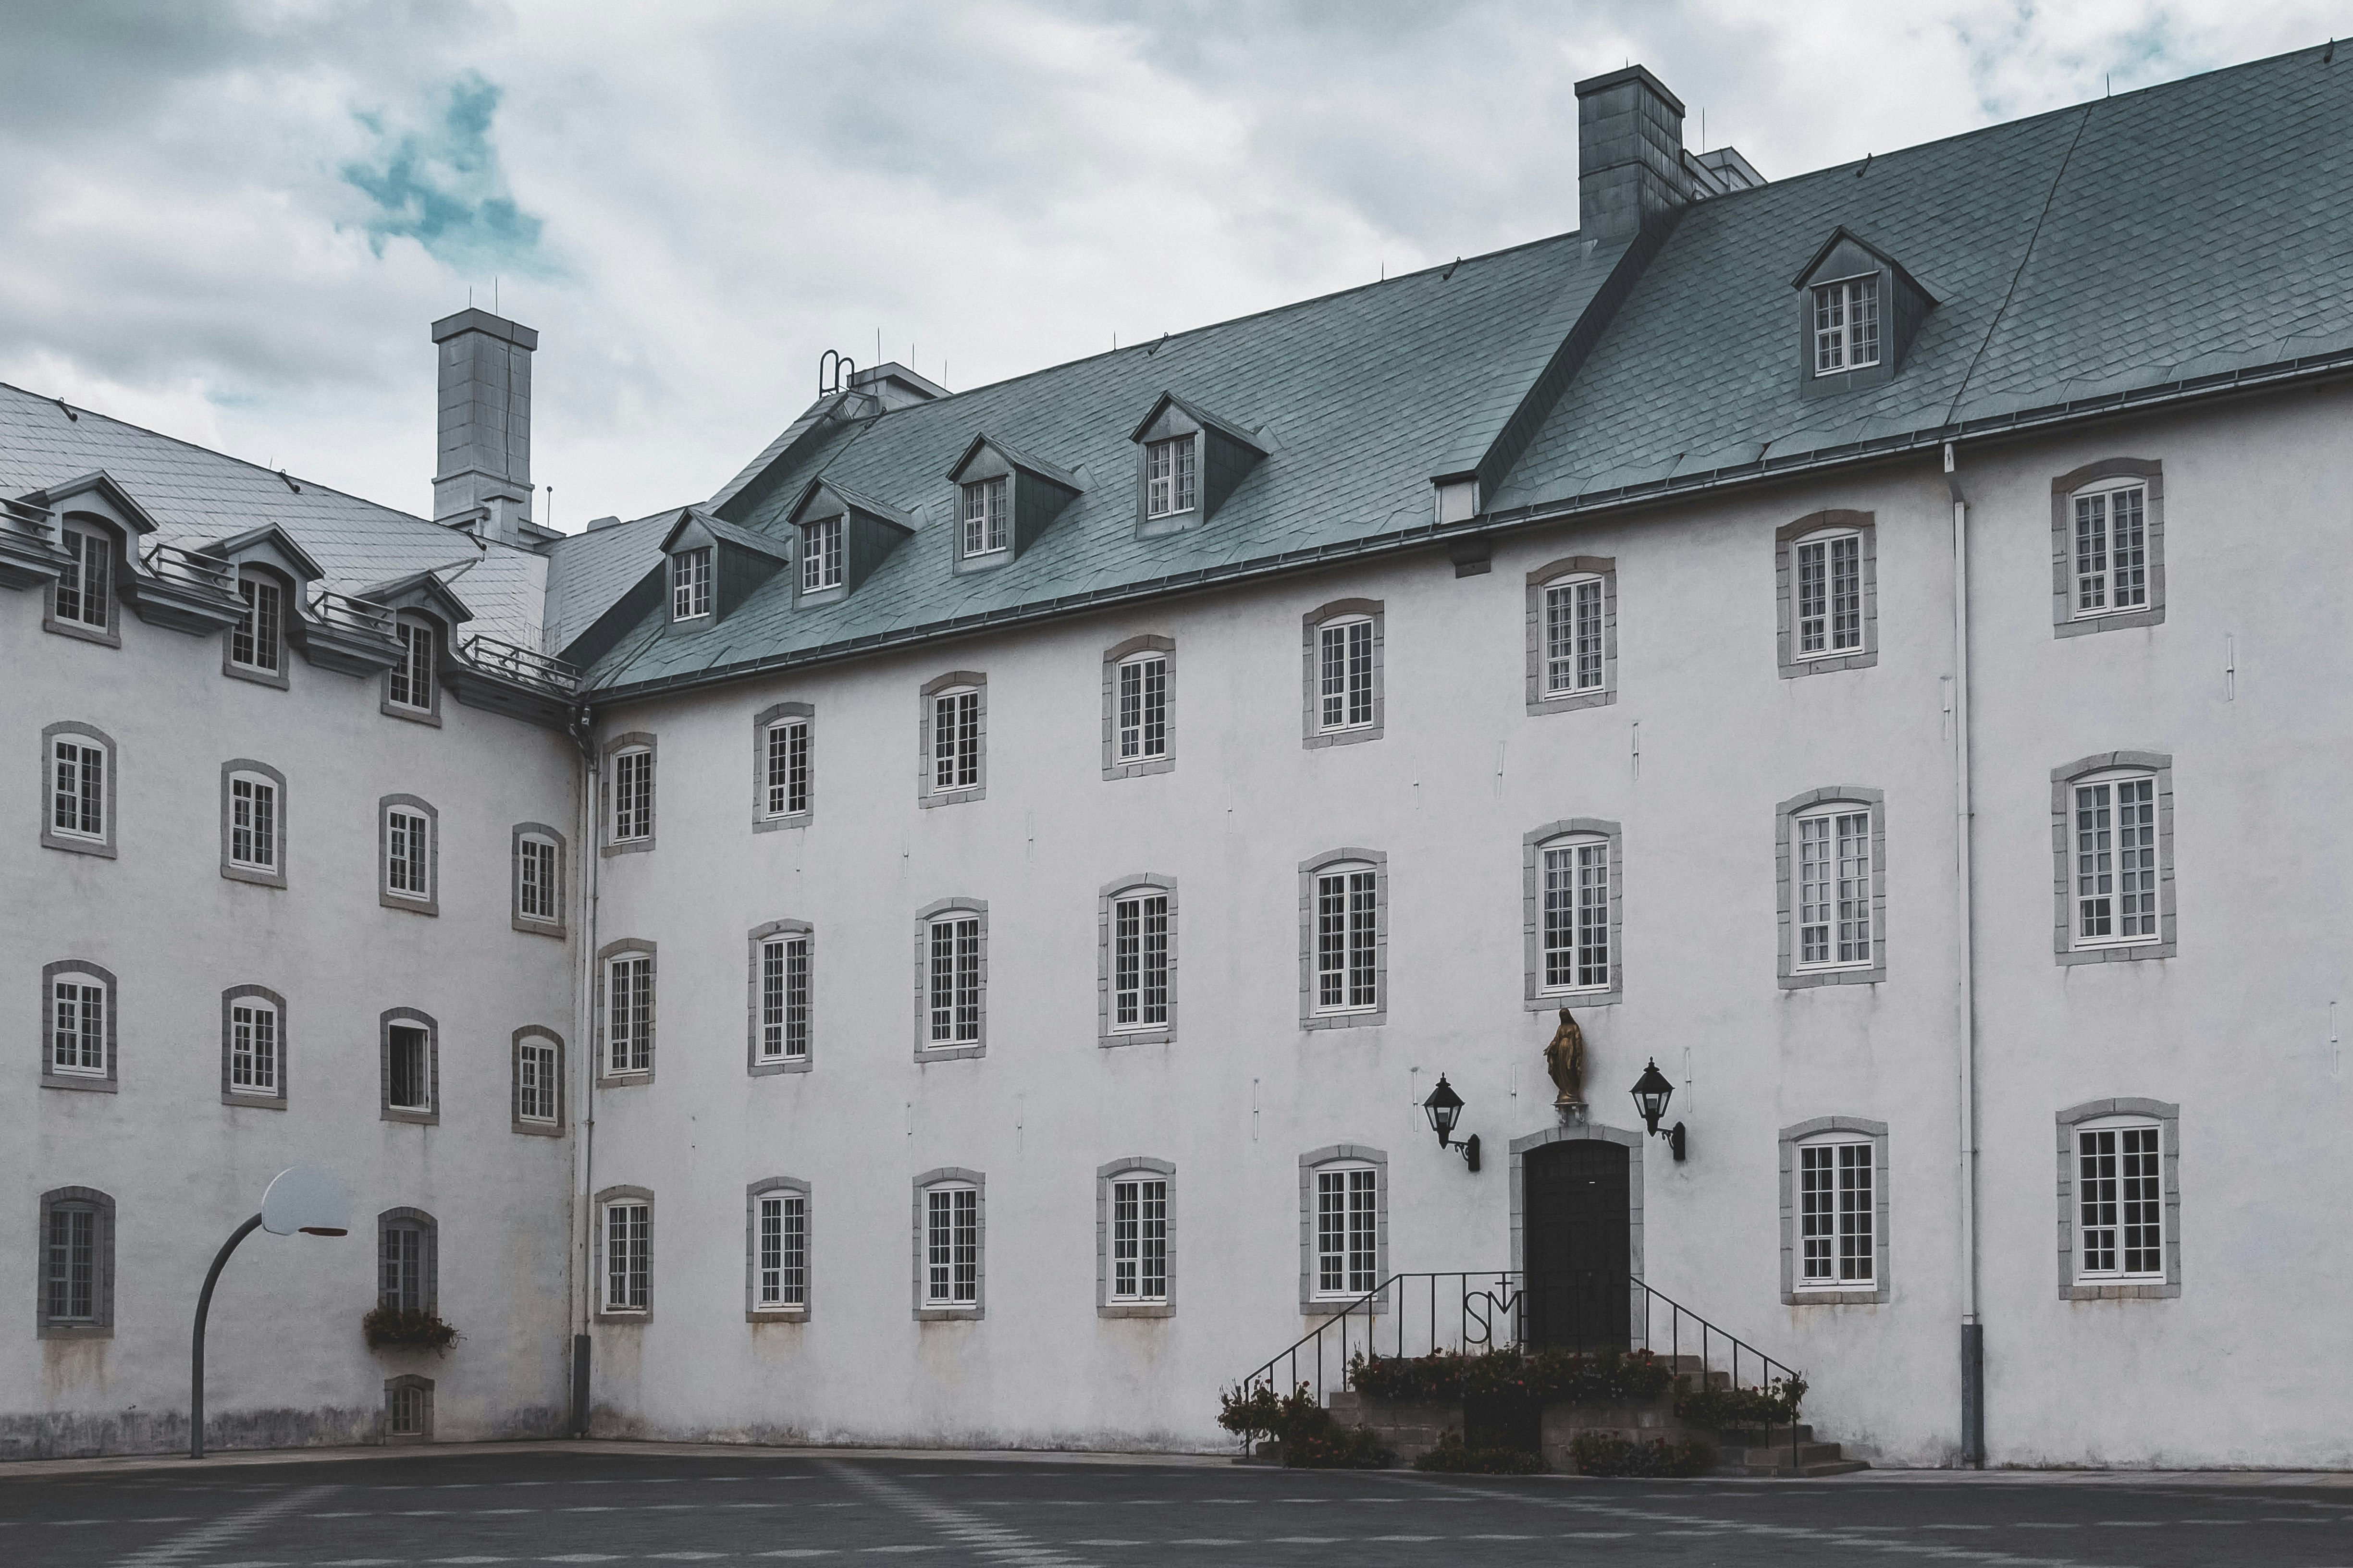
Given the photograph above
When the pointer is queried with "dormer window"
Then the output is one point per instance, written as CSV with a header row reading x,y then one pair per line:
x,y
690,584
988,516
81,590
1846,325
1169,485
821,555
254,643
409,683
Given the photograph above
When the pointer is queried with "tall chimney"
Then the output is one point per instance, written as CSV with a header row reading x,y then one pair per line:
x,y
1629,154
481,478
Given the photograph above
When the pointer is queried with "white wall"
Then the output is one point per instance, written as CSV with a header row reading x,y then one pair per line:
x,y
287,1365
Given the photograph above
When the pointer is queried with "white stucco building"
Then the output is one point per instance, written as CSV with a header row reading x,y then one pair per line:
x,y
944,939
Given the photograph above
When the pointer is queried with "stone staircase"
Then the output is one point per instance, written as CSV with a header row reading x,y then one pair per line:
x,y
1766,1451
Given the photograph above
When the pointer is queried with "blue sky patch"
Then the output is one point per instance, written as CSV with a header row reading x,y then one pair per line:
x,y
443,186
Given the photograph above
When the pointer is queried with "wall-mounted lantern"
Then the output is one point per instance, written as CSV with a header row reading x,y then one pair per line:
x,y
1445,1109
1652,1092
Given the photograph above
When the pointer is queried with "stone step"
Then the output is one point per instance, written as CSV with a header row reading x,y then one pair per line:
x,y
1803,1472
1762,1436
1810,1459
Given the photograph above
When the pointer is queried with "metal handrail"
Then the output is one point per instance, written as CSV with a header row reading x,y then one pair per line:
x,y
347,614
519,663
1490,1311
173,564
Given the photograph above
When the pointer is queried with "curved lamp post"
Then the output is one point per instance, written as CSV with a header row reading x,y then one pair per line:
x,y
1652,1092
1445,1109
300,1198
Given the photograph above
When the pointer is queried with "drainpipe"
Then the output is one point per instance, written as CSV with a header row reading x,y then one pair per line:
x,y
585,1093
1973,1444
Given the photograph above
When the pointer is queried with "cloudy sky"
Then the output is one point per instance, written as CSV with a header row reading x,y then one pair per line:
x,y
231,220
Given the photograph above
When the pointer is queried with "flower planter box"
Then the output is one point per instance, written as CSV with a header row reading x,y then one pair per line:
x,y
1411,1428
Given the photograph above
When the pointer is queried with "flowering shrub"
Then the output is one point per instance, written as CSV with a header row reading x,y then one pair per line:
x,y
406,1329
1773,1406
1453,1457
1607,1454
1546,1377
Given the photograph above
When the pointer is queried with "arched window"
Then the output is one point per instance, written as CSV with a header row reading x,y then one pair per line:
x,y
1345,677
777,1276
1343,938
76,1266
78,1025
952,970
253,1047
1135,1263
253,822
1343,1223
1573,872
1834,1209
1832,887
408,1263
1138,960
79,765
2112,815
950,1230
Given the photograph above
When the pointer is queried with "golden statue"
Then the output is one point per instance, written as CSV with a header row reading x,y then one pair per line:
x,y
1564,1060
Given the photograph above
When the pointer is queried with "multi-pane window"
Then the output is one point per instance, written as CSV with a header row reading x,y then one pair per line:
x,y
408,1409
690,584
785,999
1139,960
628,1257
77,789
1139,1239
1846,325
1836,1215
78,1025
254,642
538,891
400,1282
69,1265
1348,1230
535,1081
821,555
1168,481
1347,924
1577,895
2120,1202
83,592
1573,637
987,515
253,1047
1144,708
780,1280
629,1013
1830,594
955,979
951,1246
408,1067
788,768
407,853
2112,549
1834,876
955,739
1345,673
633,795
411,679
2115,861
252,822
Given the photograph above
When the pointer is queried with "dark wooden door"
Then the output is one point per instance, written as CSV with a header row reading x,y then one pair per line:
x,y
1575,1245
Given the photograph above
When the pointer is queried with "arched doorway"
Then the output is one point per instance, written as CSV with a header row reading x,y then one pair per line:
x,y
1575,1241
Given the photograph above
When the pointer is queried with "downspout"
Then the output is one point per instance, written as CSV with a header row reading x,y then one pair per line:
x,y
583,728
1973,1444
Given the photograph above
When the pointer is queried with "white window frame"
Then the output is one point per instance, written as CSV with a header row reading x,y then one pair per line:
x,y
402,1022
1576,623
2116,874
1138,1238
72,1021
690,584
1171,475
539,878
411,684
624,1229
1837,1214
821,552
2102,585
1141,697
77,811
944,1252
1347,917
782,980
1821,841
1143,973
260,632
955,970
2120,1201
630,819
1573,926
1848,327
1346,697
538,1081
1348,1214
956,712
786,758
255,822
987,513
86,581
408,853
1821,630
776,1284
626,981
257,1065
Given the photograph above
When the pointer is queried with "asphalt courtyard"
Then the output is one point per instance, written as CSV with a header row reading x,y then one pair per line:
x,y
611,1503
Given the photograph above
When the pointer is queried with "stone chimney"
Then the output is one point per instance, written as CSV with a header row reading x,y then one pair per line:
x,y
1629,154
481,478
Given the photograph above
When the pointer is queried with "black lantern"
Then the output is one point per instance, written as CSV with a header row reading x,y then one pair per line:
x,y
1652,1092
1445,1109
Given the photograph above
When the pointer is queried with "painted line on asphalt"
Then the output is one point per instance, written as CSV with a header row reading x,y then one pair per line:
x,y
207,1539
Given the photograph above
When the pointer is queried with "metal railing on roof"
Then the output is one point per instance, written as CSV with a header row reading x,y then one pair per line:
x,y
522,663
343,613
189,570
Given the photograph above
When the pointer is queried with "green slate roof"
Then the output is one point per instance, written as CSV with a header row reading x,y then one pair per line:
x,y
2109,251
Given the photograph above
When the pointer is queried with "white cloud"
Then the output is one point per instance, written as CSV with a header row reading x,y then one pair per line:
x,y
705,196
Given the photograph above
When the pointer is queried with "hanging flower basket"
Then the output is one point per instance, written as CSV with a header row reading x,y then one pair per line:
x,y
406,1329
